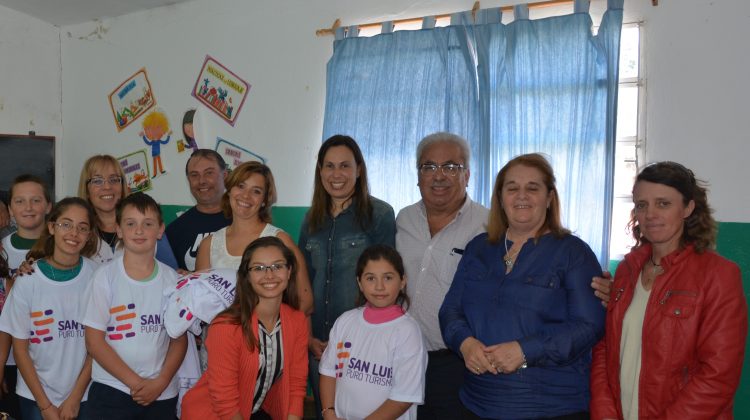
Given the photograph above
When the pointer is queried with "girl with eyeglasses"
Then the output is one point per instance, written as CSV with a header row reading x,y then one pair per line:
x,y
103,184
257,348
44,314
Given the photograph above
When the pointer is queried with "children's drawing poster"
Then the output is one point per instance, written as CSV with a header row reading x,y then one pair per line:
x,y
220,90
135,166
131,99
235,155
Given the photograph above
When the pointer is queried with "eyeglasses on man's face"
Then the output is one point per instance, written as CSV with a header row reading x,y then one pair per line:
x,y
448,169
99,181
262,269
66,226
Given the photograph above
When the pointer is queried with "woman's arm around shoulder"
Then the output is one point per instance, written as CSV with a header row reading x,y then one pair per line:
x,y
384,223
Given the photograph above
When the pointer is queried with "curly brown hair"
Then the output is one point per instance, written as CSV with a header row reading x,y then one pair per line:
x,y
700,227
240,174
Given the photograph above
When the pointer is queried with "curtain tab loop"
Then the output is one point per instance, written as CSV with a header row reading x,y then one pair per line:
x,y
521,12
428,22
462,18
352,31
581,6
386,27
615,4
339,33
486,16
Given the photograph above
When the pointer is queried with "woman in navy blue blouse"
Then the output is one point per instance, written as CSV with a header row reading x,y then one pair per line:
x,y
520,310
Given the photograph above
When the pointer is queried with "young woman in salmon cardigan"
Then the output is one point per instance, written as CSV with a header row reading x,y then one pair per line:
x,y
257,348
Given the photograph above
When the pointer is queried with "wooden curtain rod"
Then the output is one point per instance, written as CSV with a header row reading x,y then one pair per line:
x,y
474,10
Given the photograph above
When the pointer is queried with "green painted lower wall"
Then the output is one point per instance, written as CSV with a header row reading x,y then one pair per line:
x,y
733,243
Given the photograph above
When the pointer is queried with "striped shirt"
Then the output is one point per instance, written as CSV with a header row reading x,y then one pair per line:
x,y
270,361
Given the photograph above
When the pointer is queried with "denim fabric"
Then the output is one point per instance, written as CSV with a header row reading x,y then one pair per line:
x,y
331,255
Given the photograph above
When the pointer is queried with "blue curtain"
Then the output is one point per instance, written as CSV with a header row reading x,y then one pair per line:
x,y
546,85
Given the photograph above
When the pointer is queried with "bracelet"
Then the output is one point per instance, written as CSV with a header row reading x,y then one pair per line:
x,y
323,411
45,408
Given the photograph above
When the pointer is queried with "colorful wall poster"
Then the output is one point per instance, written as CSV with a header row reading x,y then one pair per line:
x,y
220,90
131,99
135,166
235,155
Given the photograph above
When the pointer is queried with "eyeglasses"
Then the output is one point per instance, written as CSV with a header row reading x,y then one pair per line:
x,y
99,181
67,227
448,169
263,269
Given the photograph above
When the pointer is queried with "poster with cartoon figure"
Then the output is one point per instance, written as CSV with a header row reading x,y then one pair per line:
x,y
235,155
131,99
155,128
135,166
220,90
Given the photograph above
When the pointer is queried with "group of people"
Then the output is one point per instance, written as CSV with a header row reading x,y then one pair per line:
x,y
448,311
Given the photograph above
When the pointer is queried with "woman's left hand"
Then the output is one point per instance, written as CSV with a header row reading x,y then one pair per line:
x,y
505,357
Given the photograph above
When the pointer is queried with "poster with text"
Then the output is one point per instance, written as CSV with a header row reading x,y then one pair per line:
x,y
135,166
220,90
131,99
235,155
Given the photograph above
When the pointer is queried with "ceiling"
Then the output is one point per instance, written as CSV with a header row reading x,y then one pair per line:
x,y
69,12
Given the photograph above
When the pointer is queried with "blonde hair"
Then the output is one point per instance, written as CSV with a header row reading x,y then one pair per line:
x,y
156,119
98,162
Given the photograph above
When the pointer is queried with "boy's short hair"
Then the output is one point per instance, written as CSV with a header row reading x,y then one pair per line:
x,y
142,202
30,178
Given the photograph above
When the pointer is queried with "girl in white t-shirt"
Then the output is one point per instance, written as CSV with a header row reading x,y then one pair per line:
x,y
44,314
135,361
375,361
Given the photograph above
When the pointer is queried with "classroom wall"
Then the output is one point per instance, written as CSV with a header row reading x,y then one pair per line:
x,y
30,85
695,70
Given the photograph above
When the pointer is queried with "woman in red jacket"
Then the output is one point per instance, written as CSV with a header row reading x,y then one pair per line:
x,y
257,348
677,322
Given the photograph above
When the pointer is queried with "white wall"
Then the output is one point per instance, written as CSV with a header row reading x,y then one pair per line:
x,y
30,68
696,59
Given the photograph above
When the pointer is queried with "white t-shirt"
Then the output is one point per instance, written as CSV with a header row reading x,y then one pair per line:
x,y
373,363
49,313
15,258
130,313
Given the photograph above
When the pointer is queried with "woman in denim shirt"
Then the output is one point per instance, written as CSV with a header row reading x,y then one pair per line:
x,y
342,221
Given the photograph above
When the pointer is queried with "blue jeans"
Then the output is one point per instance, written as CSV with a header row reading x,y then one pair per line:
x,y
30,411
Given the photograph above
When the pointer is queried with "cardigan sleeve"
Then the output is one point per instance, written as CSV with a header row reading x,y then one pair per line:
x,y
298,366
224,344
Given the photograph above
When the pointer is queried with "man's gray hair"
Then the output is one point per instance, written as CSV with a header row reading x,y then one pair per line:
x,y
443,137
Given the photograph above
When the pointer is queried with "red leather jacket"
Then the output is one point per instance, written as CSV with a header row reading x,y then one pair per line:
x,y
693,341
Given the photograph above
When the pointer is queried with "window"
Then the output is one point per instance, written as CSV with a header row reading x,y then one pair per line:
x,y
629,138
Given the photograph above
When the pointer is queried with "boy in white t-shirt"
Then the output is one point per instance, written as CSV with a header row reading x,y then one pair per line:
x,y
135,361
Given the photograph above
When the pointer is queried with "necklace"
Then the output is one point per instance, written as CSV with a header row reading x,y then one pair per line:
x,y
657,267
509,259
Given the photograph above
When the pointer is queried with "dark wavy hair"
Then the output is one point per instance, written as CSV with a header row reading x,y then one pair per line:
x,y
386,253
240,312
700,227
322,204
45,246
498,221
